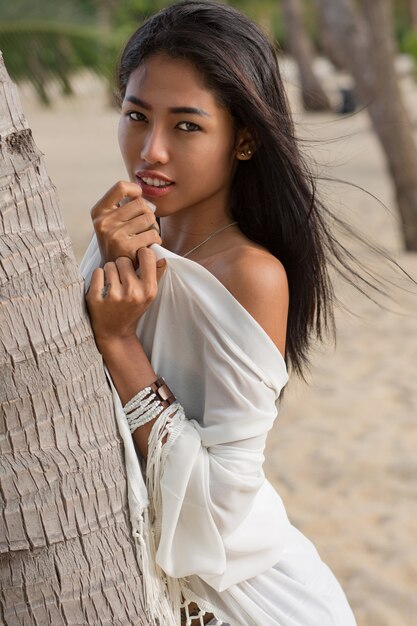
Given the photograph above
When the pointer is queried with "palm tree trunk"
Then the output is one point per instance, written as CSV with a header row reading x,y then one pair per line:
x,y
365,33
412,10
312,93
329,43
67,556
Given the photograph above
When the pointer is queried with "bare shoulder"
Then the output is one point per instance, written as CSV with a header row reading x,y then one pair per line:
x,y
258,280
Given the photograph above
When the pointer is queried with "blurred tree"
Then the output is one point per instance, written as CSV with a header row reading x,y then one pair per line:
x,y
300,46
364,30
50,41
128,14
405,27
412,12
67,551
328,43
264,12
47,41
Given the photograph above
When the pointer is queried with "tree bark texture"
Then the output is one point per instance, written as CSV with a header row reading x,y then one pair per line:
x,y
66,552
313,95
365,33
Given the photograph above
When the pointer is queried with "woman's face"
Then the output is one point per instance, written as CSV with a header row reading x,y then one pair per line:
x,y
177,142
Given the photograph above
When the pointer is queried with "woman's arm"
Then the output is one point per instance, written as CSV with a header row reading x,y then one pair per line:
x,y
114,317
131,371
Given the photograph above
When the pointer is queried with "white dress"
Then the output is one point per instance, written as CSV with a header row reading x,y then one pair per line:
x,y
222,536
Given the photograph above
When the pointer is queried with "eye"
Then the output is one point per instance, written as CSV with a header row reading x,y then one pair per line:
x,y
188,127
135,116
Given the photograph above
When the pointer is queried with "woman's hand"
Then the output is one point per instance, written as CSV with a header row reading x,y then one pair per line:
x,y
122,229
117,297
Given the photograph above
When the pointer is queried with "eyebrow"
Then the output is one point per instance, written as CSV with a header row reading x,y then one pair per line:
x,y
189,110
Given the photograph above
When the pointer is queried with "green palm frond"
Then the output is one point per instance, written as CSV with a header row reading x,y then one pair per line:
x,y
49,41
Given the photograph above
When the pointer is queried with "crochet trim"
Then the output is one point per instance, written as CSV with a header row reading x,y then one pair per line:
x,y
167,599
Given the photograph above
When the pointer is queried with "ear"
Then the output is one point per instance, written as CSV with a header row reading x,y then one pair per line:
x,y
244,145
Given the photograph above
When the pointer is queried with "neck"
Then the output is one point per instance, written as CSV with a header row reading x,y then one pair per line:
x,y
181,232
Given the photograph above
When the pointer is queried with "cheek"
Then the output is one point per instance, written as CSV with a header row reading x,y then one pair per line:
x,y
123,138
221,156
120,129
213,165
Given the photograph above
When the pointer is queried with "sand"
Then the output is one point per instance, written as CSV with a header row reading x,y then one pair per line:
x,y
343,451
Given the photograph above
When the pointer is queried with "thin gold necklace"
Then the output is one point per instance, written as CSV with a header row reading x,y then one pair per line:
x,y
216,232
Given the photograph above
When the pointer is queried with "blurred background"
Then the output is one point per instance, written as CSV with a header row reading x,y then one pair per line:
x,y
342,452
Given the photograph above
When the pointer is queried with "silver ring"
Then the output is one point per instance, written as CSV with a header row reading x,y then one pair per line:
x,y
105,290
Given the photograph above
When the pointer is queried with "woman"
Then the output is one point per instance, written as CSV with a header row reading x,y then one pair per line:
x,y
239,282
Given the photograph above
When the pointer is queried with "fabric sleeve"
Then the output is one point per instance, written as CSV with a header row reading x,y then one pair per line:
x,y
216,516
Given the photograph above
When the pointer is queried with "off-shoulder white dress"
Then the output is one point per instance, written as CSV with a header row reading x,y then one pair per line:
x,y
209,525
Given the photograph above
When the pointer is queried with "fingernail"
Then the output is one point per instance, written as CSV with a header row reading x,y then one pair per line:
x,y
161,263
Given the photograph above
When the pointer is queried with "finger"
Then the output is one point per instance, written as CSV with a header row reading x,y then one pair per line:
x,y
147,266
155,227
139,224
96,282
126,271
112,277
144,240
110,201
133,208
160,268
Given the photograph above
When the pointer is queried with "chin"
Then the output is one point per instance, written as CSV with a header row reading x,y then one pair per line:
x,y
160,210
161,213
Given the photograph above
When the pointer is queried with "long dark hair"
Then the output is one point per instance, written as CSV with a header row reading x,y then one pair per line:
x,y
273,196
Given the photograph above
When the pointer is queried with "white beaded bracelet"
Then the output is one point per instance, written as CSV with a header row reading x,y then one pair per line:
x,y
148,403
136,400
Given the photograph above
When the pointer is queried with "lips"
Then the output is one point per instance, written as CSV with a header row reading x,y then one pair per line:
x,y
152,177
154,183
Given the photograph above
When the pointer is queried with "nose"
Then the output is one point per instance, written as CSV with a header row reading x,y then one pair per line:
x,y
154,149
